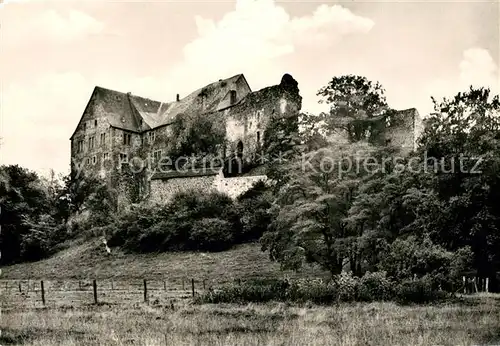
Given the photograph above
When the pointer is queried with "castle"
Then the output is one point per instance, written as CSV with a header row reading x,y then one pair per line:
x,y
124,138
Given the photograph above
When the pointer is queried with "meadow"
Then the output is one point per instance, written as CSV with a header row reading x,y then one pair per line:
x,y
473,322
170,317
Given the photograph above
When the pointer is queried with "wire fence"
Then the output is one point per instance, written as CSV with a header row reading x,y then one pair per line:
x,y
16,294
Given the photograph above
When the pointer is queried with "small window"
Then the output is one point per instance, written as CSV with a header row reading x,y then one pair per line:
x,y
84,126
91,142
157,155
151,137
88,161
232,95
126,138
258,137
103,138
94,160
124,158
105,156
80,146
95,123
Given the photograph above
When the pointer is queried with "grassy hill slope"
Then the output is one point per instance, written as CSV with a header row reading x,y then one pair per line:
x,y
89,260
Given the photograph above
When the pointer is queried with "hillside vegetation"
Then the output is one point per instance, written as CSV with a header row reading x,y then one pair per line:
x,y
89,260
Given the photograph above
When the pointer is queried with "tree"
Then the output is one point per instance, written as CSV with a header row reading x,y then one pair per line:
x,y
357,106
461,142
309,223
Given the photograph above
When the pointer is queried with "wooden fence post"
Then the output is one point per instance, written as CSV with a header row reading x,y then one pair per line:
x,y
192,286
43,292
145,292
94,284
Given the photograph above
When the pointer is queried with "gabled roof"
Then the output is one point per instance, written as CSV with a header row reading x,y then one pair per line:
x,y
137,114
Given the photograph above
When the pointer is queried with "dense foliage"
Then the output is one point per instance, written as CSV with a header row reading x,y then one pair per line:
x,y
36,211
340,288
208,222
363,207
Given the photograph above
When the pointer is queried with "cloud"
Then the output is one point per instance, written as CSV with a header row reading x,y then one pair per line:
x,y
255,35
47,26
477,68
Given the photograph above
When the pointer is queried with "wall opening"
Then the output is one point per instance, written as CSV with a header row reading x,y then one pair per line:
x,y
239,150
258,138
232,95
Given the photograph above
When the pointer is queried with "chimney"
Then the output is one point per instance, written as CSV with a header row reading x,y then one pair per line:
x,y
177,98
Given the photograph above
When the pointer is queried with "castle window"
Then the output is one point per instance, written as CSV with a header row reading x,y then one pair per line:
x,y
126,138
157,155
95,123
88,160
239,150
91,142
258,137
94,160
151,137
84,126
106,156
103,138
79,146
123,158
232,95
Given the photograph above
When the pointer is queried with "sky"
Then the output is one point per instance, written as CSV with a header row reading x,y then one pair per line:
x,y
53,54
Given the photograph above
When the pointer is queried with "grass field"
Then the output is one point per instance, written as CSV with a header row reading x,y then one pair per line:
x,y
122,318
475,323
89,260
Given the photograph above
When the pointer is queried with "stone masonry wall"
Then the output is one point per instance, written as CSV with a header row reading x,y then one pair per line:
x,y
235,186
162,190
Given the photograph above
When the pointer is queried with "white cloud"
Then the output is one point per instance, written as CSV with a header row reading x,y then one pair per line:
x,y
254,35
477,68
48,26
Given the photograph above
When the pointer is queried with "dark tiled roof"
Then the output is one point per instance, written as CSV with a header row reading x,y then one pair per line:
x,y
136,113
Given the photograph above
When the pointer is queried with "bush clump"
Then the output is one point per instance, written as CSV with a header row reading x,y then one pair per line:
x,y
190,221
341,288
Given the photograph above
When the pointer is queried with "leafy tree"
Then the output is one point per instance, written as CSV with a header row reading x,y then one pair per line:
x,y
26,215
461,142
309,223
357,106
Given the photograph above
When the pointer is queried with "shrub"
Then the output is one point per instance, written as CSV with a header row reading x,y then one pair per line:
x,y
374,287
189,222
418,291
253,208
346,286
212,234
